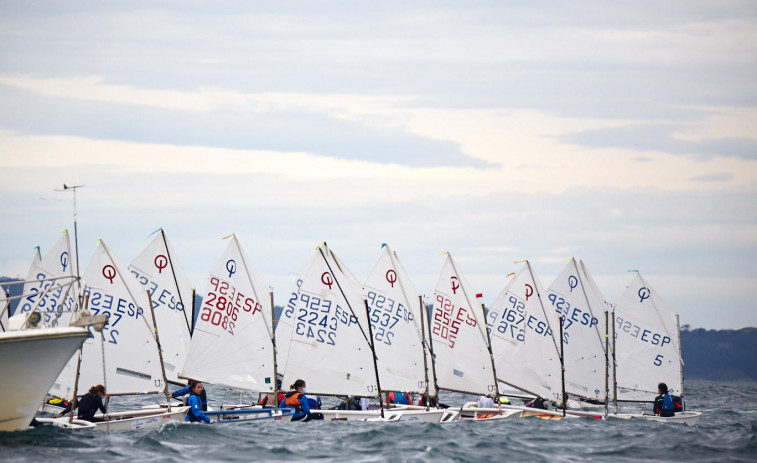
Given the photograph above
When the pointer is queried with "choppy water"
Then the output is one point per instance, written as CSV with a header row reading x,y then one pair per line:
x,y
727,431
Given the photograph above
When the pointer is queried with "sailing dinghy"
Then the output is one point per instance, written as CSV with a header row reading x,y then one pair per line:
x,y
324,336
464,359
525,336
128,346
648,349
575,298
397,322
233,343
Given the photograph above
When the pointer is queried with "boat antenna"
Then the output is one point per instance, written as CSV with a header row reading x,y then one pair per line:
x,y
76,235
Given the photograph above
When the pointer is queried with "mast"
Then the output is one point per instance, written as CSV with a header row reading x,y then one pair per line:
x,y
275,366
78,370
425,314
160,351
491,354
192,325
614,371
680,355
175,280
607,364
423,346
76,239
562,367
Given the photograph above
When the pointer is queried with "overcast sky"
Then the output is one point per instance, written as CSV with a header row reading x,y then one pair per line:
x,y
620,133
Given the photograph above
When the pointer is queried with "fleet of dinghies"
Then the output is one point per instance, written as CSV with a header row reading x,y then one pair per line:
x,y
563,345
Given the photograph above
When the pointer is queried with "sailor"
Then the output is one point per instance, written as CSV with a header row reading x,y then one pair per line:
x,y
88,404
485,401
296,400
195,413
427,401
542,403
663,403
267,402
399,398
186,390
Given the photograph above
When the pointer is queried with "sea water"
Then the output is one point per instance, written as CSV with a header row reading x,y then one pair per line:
x,y
727,431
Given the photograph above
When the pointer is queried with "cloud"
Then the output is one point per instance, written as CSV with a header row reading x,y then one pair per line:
x,y
722,177
277,129
662,138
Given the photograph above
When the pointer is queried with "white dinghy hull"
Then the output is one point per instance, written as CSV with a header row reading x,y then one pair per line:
x,y
488,414
689,417
393,415
122,421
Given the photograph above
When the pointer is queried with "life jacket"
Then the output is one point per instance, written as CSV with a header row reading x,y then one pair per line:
x,y
538,403
678,402
292,400
400,398
190,415
667,403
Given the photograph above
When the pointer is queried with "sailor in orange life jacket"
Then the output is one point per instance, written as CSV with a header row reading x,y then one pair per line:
x,y
295,399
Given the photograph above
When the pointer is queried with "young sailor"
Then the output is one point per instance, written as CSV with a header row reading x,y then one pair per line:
x,y
195,413
399,398
88,404
295,399
485,401
267,400
186,390
663,403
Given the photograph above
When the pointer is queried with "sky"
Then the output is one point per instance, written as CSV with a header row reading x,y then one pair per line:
x,y
619,133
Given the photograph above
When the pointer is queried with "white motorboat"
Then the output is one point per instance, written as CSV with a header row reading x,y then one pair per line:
x,y
30,360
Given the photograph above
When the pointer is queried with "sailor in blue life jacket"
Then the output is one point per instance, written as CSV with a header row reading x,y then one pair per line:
x,y
663,403
398,398
88,404
296,400
186,390
195,414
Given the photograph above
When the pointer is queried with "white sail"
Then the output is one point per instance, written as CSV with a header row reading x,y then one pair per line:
x,y
231,344
395,322
525,337
646,343
574,297
158,270
131,354
51,287
460,345
322,336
